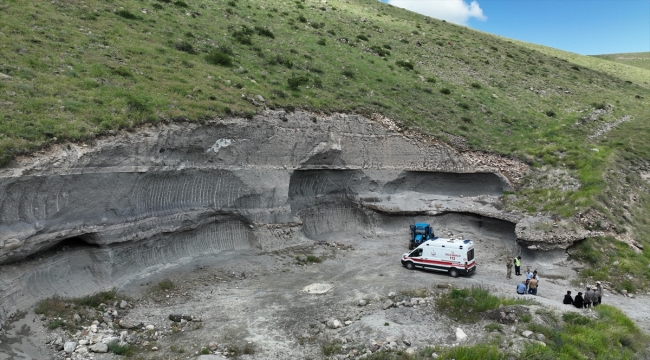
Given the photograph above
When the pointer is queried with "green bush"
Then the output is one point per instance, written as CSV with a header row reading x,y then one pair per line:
x,y
404,64
445,91
362,37
296,81
218,57
321,41
379,50
264,32
184,46
348,73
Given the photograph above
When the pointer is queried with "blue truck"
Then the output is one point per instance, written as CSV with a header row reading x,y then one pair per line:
x,y
420,232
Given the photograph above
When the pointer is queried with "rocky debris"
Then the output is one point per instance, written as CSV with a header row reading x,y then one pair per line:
x,y
609,126
123,304
387,305
362,302
527,334
507,314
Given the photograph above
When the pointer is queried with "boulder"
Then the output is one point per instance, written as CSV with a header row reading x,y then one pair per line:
x,y
460,335
69,346
527,333
99,348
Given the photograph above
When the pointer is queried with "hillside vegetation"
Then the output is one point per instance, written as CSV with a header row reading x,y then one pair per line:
x,y
71,70
641,59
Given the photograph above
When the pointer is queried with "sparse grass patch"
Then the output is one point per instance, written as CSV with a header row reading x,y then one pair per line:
x,y
329,348
465,304
116,348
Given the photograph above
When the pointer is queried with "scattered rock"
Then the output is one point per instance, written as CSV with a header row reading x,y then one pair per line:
x,y
410,351
123,304
334,324
392,294
69,346
460,335
540,337
150,327
406,342
387,304
362,303
527,334
444,286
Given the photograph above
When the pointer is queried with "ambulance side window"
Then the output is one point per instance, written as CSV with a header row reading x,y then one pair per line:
x,y
416,253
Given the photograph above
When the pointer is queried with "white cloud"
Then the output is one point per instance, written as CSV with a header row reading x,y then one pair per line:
x,y
456,11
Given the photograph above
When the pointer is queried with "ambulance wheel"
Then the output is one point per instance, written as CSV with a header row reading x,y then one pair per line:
x,y
453,272
410,266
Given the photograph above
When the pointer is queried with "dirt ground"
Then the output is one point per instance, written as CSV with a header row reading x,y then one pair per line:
x,y
253,300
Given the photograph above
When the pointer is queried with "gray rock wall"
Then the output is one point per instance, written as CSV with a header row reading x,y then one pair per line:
x,y
136,202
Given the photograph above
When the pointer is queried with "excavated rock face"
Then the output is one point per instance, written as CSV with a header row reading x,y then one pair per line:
x,y
139,201
235,174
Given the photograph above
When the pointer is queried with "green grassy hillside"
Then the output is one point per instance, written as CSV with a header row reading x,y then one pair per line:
x,y
641,59
70,70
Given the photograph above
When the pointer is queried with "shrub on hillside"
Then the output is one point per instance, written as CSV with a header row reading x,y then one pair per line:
x,y
218,57
404,64
185,47
264,32
445,91
295,81
379,50
348,73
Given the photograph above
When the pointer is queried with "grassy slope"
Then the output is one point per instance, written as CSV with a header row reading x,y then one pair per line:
x,y
637,71
79,68
641,59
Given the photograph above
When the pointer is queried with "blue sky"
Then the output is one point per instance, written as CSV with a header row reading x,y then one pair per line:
x,y
587,27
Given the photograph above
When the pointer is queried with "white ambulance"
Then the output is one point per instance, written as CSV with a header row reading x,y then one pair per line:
x,y
452,256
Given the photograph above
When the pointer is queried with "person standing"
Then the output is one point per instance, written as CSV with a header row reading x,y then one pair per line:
x,y
568,299
517,262
529,275
590,295
579,301
599,294
532,286
509,269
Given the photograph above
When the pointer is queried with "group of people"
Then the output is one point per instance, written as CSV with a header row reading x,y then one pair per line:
x,y
593,297
530,285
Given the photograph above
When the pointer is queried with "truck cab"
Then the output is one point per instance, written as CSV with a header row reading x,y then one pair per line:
x,y
456,257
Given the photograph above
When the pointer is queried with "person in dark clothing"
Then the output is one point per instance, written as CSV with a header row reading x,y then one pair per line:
x,y
579,301
568,299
